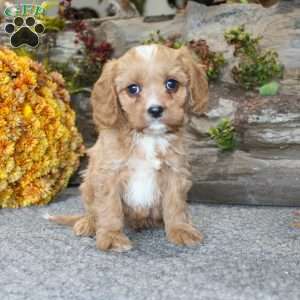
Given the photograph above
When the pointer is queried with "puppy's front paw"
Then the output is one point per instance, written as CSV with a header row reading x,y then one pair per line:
x,y
184,234
115,241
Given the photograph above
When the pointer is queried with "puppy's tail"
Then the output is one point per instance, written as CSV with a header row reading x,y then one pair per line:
x,y
64,220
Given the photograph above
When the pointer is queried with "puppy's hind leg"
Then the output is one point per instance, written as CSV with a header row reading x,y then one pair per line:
x,y
86,226
83,225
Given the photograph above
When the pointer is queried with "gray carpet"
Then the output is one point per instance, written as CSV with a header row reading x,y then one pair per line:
x,y
249,253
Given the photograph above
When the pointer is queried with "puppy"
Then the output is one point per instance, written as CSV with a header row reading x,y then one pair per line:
x,y
138,173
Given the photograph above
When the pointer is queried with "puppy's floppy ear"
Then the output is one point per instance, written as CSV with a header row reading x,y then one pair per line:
x,y
198,84
106,111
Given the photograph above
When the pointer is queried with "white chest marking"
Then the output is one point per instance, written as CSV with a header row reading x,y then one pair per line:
x,y
143,189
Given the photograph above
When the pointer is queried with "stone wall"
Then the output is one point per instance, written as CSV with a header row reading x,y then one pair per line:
x,y
265,168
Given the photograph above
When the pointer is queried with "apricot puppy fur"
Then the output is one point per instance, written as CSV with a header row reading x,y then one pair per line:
x,y
138,173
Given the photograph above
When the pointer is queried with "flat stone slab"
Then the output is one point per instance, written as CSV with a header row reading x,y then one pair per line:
x,y
265,167
249,253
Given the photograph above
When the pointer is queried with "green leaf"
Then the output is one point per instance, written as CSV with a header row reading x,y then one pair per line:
x,y
223,135
269,89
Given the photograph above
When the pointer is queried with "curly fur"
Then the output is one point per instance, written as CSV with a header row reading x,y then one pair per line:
x,y
138,173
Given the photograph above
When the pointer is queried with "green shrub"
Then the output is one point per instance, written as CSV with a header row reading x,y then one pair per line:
x,y
256,67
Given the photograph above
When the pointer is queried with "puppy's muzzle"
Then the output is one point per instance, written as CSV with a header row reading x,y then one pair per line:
x,y
155,111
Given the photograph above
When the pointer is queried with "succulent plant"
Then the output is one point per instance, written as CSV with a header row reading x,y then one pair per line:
x,y
223,135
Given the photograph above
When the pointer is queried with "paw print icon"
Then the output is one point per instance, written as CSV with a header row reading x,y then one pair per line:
x,y
24,31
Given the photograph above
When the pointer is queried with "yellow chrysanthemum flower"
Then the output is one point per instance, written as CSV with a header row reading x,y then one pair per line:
x,y
40,146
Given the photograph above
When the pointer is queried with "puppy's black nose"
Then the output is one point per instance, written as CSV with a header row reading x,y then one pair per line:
x,y
155,111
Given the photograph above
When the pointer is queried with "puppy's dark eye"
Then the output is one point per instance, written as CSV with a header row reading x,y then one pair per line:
x,y
171,85
134,89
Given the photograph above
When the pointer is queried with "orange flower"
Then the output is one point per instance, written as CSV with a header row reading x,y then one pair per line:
x,y
39,144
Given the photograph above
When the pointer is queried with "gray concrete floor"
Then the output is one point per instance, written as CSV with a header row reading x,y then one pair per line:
x,y
248,253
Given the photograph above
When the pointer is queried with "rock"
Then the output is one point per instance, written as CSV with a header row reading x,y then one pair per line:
x,y
81,104
225,109
269,122
161,8
243,178
84,121
66,46
279,26
124,34
265,168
